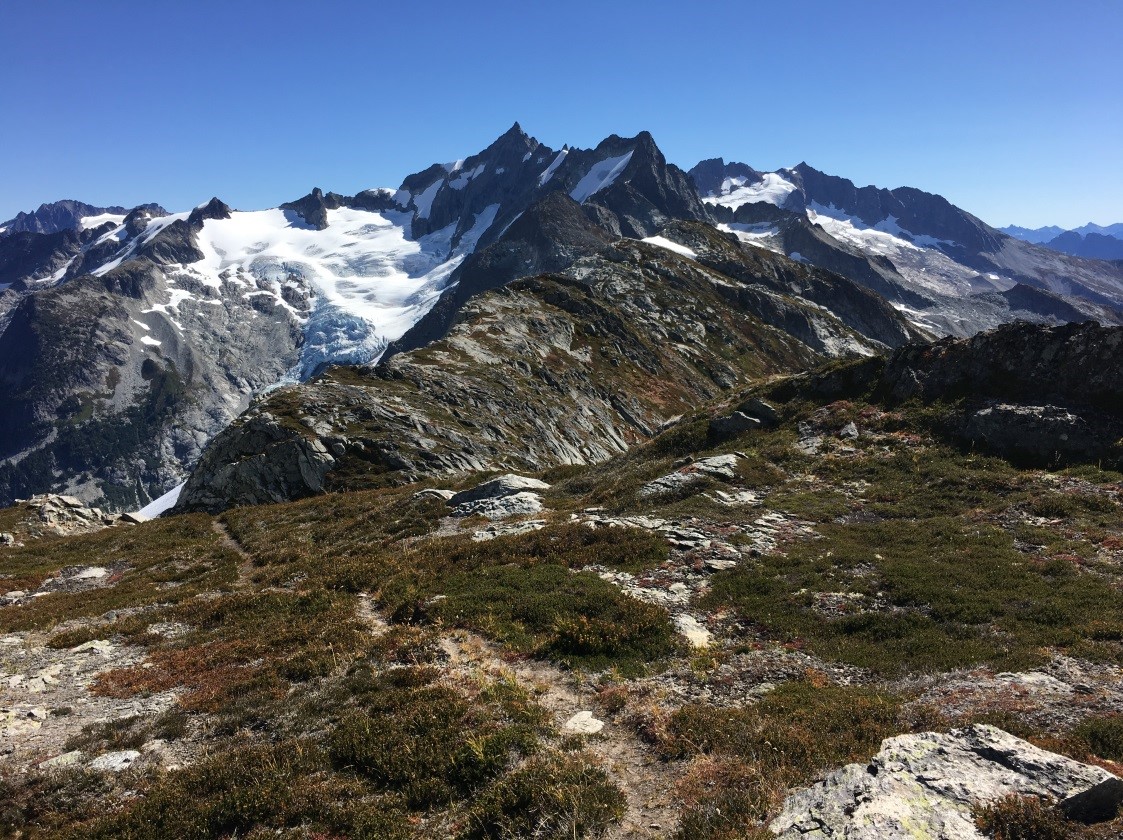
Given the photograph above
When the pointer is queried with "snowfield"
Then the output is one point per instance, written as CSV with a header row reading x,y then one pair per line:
x,y
368,282
774,188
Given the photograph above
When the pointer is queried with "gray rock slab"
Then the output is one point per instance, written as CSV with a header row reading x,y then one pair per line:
x,y
925,785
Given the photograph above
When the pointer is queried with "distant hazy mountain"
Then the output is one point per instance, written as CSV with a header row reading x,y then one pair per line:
x,y
1097,242
1038,236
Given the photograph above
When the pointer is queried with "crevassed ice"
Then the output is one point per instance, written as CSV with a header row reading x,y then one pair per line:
x,y
371,281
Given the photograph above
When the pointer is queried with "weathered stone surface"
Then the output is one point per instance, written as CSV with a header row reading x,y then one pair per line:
x,y
694,631
1039,432
718,466
583,723
722,467
671,483
504,485
503,507
507,529
925,785
434,493
115,762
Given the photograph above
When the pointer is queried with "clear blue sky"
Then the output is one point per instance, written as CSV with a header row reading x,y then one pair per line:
x,y
1012,109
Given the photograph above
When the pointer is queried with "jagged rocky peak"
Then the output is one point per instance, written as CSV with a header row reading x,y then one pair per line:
x,y
487,189
69,214
137,219
213,209
710,175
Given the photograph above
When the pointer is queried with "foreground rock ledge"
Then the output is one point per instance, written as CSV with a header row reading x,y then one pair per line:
x,y
923,786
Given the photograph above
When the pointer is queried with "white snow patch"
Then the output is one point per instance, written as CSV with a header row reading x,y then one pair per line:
x,y
142,325
554,164
599,177
58,275
87,222
761,234
149,340
164,503
171,308
773,188
467,177
884,237
484,220
663,242
424,202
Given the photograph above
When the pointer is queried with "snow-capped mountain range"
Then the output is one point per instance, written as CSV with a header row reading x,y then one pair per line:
x,y
128,338
944,268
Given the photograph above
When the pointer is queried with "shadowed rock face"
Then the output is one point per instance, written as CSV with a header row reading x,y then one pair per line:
x,y
1032,393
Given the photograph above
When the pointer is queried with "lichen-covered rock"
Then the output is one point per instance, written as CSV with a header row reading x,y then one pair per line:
x,y
925,786
502,507
504,485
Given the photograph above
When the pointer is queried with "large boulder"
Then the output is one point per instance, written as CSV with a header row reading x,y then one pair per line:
x,y
925,786
1042,433
268,462
496,488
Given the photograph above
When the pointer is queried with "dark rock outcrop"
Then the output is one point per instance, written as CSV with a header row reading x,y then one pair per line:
x,y
1037,394
264,462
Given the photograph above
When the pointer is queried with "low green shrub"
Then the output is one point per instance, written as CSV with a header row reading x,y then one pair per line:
x,y
1021,818
552,797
